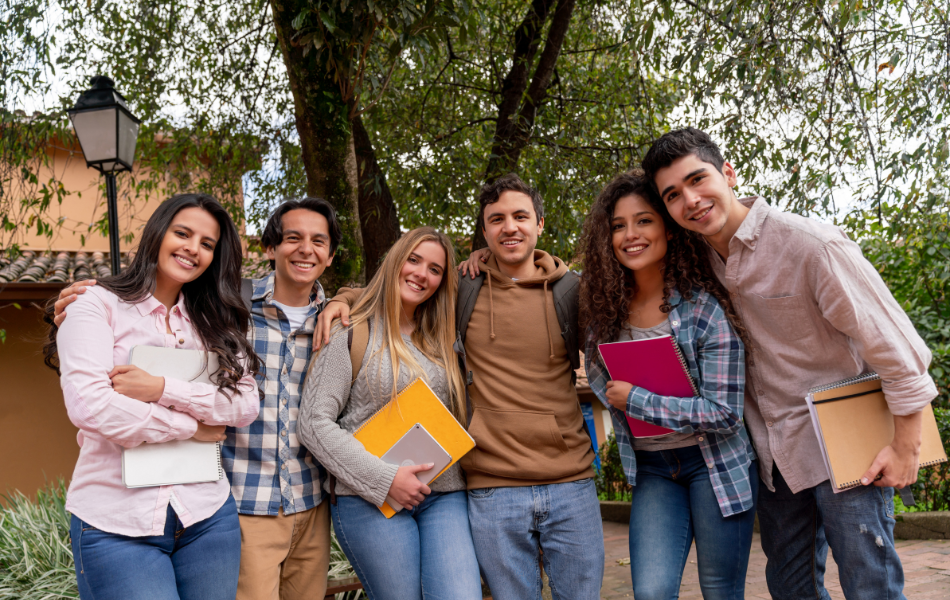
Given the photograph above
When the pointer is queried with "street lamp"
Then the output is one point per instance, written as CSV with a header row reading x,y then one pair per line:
x,y
107,132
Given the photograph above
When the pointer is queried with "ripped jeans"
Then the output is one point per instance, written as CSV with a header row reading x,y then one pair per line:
x,y
858,526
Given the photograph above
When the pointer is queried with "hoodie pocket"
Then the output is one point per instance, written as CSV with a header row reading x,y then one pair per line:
x,y
520,444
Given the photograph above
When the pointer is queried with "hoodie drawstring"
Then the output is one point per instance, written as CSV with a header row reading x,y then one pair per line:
x,y
547,315
491,308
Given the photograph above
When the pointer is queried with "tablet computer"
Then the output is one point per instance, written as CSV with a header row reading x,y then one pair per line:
x,y
417,447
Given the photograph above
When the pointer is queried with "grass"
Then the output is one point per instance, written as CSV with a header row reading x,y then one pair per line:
x,y
36,560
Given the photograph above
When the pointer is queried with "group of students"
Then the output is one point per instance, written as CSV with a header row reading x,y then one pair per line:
x,y
763,305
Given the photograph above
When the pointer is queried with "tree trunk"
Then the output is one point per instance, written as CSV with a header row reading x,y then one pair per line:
x,y
521,99
324,128
379,221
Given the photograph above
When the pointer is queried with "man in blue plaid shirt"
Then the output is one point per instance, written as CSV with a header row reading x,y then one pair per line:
x,y
277,484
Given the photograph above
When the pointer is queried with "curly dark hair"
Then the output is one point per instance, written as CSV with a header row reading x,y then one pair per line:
x,y
607,287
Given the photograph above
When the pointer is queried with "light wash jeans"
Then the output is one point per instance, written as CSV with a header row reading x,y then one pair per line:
x,y
858,525
423,553
510,524
674,502
200,562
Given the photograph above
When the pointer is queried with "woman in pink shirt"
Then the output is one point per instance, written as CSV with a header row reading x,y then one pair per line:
x,y
181,290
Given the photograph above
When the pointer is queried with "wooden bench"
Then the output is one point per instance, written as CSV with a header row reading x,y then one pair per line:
x,y
348,584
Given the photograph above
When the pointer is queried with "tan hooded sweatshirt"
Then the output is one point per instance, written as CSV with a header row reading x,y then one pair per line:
x,y
527,424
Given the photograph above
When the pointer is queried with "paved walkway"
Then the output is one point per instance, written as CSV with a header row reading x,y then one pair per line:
x,y
926,569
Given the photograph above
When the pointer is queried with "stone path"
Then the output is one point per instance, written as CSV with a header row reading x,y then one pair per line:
x,y
926,569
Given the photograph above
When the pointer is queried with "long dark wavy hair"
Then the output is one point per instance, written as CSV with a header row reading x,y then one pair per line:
x,y
607,287
213,300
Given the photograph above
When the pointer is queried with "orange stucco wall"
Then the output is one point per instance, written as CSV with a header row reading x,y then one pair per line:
x,y
37,440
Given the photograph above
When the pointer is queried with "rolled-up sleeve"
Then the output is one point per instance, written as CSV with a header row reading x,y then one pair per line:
x,y
855,300
85,345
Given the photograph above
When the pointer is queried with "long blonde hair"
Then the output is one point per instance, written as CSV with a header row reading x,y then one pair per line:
x,y
434,333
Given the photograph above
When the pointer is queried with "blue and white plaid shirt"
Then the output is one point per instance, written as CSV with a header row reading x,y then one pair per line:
x,y
714,354
268,467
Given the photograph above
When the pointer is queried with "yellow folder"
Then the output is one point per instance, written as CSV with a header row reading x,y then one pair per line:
x,y
415,404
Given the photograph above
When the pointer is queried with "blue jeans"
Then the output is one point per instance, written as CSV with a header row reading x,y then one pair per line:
x,y
423,553
858,525
673,503
200,562
510,525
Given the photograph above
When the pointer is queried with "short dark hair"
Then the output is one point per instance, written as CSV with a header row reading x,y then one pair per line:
x,y
274,229
491,192
677,144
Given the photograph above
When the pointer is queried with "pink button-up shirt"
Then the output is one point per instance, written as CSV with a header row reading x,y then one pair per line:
x,y
99,334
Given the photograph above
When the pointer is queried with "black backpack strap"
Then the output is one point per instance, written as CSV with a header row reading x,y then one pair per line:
x,y
247,290
565,292
467,296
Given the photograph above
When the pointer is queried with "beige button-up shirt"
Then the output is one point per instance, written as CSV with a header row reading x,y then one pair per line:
x,y
817,312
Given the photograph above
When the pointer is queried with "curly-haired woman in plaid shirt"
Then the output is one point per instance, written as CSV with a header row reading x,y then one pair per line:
x,y
644,277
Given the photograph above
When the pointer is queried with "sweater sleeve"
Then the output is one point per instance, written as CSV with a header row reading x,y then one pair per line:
x,y
325,395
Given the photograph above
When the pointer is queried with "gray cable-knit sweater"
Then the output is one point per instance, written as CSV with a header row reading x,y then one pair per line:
x,y
331,410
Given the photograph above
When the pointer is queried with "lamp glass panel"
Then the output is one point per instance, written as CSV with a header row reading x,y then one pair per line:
x,y
128,134
96,131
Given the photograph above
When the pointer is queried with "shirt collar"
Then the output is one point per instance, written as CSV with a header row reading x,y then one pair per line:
x,y
150,304
751,227
264,290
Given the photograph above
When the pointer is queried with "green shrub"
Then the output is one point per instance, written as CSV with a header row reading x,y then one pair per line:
x,y
610,481
36,559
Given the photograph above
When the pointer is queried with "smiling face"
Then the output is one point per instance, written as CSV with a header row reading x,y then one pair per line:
x,y
638,235
698,196
304,252
421,274
187,248
512,228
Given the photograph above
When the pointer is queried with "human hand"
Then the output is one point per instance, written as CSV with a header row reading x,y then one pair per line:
x,y
406,488
332,311
209,433
135,383
617,394
67,296
470,265
896,465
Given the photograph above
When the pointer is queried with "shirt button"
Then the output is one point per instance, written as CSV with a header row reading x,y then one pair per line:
x,y
710,465
700,438
284,432
675,323
284,370
171,406
284,401
769,424
181,340
284,466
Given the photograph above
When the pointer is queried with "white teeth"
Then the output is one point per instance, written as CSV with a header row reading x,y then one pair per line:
x,y
414,286
635,248
703,214
511,243
184,261
302,265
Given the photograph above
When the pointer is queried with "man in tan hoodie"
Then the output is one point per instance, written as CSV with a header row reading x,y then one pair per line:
x,y
530,476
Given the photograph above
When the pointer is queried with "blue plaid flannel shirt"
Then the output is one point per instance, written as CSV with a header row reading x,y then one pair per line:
x,y
714,354
268,467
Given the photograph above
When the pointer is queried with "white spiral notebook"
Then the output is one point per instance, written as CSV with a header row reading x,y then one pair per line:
x,y
179,461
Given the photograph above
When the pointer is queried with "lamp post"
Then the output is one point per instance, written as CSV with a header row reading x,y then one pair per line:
x,y
107,133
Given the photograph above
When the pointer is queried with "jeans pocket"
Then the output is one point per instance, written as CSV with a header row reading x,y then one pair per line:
x,y
481,493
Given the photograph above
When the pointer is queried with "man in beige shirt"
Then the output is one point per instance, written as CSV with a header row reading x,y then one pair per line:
x,y
817,312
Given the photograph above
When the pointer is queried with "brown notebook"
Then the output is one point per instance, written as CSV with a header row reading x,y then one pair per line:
x,y
853,424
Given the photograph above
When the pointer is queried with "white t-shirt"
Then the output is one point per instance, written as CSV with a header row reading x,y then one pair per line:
x,y
295,314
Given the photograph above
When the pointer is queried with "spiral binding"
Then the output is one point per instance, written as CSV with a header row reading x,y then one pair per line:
x,y
220,466
682,359
871,376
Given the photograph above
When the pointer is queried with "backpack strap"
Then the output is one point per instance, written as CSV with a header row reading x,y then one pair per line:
x,y
247,290
357,339
565,292
467,296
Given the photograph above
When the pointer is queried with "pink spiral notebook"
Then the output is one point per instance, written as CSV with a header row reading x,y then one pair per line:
x,y
657,365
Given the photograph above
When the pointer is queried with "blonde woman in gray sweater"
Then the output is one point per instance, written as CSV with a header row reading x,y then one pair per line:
x,y
425,551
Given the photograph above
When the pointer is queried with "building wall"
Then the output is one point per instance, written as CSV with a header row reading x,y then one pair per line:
x,y
38,442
